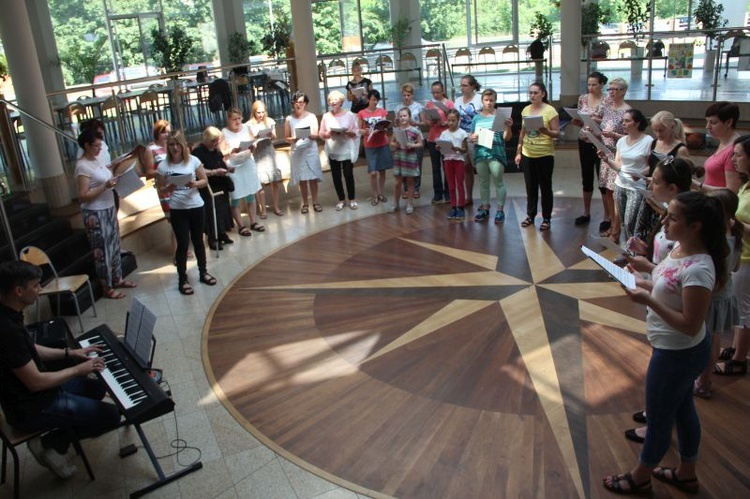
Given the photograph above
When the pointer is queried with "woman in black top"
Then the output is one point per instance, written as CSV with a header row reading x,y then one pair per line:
x,y
358,81
216,169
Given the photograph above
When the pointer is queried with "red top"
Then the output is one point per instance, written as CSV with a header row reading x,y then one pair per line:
x,y
716,165
378,139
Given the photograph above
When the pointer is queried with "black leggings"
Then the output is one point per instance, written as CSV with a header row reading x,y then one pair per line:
x,y
336,167
187,226
537,172
590,164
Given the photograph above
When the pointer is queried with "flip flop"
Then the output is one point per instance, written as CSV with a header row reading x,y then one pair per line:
x,y
113,294
125,284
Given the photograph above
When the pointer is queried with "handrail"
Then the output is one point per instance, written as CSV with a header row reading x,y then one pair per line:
x,y
449,73
39,121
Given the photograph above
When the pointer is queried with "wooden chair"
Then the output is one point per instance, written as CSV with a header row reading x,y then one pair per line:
x,y
58,285
12,438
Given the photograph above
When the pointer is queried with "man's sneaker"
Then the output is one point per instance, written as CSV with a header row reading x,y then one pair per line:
x,y
460,215
499,217
409,209
51,459
392,207
452,213
482,215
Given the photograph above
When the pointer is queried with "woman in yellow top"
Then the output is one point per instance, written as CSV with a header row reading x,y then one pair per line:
x,y
536,153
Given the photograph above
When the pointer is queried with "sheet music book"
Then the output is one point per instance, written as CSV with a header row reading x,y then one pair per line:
x,y
139,332
445,146
302,133
264,133
620,275
589,122
245,145
533,123
440,105
501,114
128,182
572,112
358,92
337,129
380,126
431,114
180,180
400,135
485,137
598,143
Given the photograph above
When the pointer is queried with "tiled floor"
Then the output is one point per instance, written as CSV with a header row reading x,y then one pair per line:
x,y
235,464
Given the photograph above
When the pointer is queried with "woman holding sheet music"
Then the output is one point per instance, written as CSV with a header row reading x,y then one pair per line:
x,y
261,125
96,194
677,299
435,117
338,128
301,130
180,176
631,166
536,153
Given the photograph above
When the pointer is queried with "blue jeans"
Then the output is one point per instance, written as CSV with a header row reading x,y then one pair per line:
x,y
669,402
78,407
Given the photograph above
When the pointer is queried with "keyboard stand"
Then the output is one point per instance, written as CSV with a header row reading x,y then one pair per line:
x,y
163,479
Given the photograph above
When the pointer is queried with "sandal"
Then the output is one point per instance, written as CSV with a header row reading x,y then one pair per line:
x,y
633,488
305,209
529,221
702,391
731,368
263,215
545,225
727,353
113,294
244,231
257,227
374,201
125,284
382,198
207,278
317,207
186,289
689,485
278,213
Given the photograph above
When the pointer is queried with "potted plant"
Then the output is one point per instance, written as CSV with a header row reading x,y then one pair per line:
x,y
709,15
4,74
592,16
171,48
277,43
541,30
239,49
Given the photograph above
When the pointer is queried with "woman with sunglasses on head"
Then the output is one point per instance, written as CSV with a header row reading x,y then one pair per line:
x,y
591,103
536,155
677,300
306,168
612,131
721,124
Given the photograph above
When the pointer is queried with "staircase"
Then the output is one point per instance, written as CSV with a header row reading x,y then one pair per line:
x,y
33,225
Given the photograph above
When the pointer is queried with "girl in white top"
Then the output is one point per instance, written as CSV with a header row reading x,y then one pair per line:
x,y
677,300
631,164
95,192
245,173
186,206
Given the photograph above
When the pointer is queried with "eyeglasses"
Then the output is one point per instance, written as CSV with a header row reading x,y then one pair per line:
x,y
614,89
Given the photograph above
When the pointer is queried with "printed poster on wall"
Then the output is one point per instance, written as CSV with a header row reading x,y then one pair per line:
x,y
680,60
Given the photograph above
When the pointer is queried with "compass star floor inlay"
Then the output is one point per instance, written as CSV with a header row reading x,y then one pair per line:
x,y
407,356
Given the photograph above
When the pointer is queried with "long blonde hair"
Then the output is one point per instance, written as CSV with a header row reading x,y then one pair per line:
x,y
668,120
177,136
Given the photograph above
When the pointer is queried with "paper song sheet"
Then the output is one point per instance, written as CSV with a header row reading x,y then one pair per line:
x,y
431,114
533,123
589,122
501,114
485,137
445,146
620,275
400,135
128,182
264,133
597,143
180,180
572,112
302,133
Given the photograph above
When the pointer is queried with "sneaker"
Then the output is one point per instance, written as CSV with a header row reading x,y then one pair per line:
x,y
436,200
460,215
339,206
392,207
409,209
353,205
51,459
452,213
36,450
499,217
482,215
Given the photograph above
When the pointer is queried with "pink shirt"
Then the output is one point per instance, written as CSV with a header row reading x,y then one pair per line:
x,y
716,165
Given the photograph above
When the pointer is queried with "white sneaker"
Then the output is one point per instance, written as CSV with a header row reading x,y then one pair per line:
x,y
392,207
353,205
409,209
36,450
339,206
58,464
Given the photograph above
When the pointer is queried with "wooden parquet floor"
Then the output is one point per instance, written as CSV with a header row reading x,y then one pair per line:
x,y
407,356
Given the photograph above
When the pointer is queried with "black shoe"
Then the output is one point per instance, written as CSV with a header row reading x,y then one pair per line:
x,y
583,220
215,246
639,417
225,239
633,436
605,226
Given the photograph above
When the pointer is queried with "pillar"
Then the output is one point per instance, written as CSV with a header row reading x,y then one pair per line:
x,y
304,53
229,17
570,51
408,9
18,38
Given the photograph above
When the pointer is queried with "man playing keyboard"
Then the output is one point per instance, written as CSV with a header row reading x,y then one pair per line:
x,y
34,399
